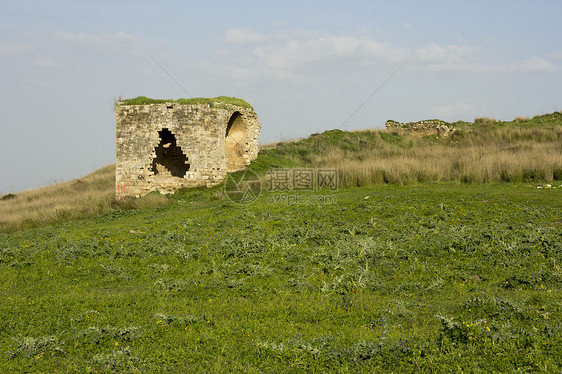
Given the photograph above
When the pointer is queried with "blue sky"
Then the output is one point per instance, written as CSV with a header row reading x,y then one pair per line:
x,y
305,66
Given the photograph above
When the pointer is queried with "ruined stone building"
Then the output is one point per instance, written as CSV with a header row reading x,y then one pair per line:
x,y
168,145
422,128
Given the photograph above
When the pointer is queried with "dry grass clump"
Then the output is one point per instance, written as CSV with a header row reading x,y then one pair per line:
x,y
485,121
482,156
77,198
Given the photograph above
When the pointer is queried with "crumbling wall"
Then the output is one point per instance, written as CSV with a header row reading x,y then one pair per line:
x,y
168,146
428,127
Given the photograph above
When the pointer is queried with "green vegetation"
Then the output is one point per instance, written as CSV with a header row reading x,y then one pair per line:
x,y
421,277
142,100
544,120
432,257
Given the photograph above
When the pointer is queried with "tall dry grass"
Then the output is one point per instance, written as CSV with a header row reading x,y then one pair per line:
x,y
77,198
484,155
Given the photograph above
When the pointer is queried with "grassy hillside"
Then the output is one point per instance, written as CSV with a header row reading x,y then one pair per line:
x,y
83,197
79,198
396,276
482,152
523,150
387,278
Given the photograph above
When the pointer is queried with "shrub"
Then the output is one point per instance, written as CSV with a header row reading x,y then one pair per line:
x,y
485,121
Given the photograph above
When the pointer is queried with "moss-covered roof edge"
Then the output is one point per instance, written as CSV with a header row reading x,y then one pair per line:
x,y
143,100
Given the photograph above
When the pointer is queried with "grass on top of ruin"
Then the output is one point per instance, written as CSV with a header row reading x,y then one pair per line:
x,y
143,100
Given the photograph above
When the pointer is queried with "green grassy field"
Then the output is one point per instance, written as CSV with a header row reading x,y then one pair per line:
x,y
434,255
434,277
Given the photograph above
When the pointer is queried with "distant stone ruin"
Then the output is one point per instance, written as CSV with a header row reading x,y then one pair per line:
x,y
421,128
167,146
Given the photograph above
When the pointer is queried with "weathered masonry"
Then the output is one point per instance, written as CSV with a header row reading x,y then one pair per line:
x,y
422,128
167,145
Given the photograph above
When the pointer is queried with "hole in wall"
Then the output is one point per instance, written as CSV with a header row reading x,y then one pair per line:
x,y
234,141
170,159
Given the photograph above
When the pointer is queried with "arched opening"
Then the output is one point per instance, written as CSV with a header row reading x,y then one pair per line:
x,y
169,160
235,142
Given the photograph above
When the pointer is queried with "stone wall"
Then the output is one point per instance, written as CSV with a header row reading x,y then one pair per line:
x,y
428,127
169,146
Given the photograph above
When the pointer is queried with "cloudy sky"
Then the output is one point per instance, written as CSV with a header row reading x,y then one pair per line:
x,y
305,66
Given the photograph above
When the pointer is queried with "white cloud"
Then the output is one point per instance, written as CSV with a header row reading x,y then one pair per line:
x,y
435,53
556,55
449,58
455,58
117,43
291,51
239,36
31,54
12,48
531,65
298,55
456,110
46,62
